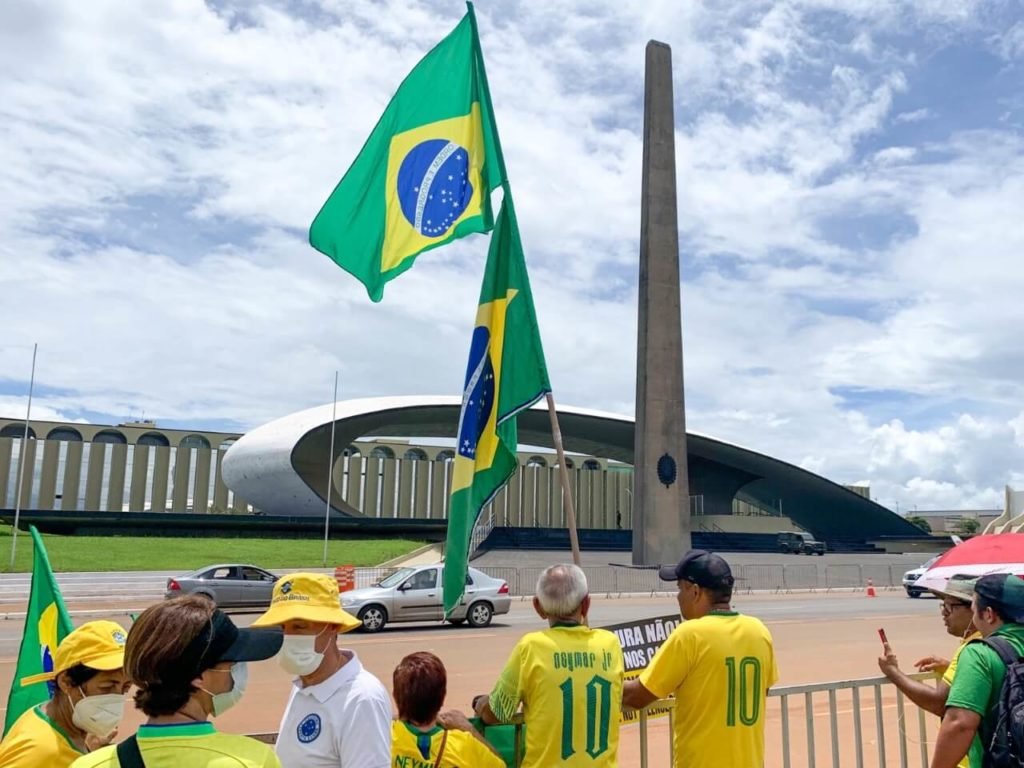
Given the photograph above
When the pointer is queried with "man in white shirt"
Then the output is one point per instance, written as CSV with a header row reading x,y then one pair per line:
x,y
338,715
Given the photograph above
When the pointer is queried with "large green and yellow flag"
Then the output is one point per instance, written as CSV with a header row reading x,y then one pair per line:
x,y
46,624
425,175
506,374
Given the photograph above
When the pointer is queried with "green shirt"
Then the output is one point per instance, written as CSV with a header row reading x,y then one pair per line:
x,y
979,681
188,745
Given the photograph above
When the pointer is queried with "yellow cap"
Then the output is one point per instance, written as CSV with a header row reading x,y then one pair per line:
x,y
307,597
96,644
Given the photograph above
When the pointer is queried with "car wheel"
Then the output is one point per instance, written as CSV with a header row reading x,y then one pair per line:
x,y
479,614
207,595
374,617
915,593
457,622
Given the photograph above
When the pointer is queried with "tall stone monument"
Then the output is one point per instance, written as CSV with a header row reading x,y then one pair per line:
x,y
661,495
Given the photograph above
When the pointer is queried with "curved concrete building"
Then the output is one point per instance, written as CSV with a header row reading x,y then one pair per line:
x,y
281,468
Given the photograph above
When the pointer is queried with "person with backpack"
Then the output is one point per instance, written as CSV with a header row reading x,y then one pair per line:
x,y
980,719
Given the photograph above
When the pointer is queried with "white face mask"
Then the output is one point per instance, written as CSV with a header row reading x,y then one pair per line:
x,y
98,715
298,654
222,702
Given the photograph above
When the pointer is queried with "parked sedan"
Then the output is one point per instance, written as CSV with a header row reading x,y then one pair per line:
x,y
229,586
414,594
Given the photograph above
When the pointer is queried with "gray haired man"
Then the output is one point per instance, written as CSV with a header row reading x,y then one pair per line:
x,y
568,679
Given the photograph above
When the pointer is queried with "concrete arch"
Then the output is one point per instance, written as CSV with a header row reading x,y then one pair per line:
x,y
154,439
111,436
17,430
279,466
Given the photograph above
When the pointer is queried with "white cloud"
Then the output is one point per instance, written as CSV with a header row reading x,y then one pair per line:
x,y
162,161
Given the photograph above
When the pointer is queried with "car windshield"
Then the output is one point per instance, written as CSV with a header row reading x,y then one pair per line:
x,y
397,577
806,537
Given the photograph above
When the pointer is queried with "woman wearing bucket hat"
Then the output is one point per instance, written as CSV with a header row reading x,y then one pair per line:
x,y
89,687
188,661
338,715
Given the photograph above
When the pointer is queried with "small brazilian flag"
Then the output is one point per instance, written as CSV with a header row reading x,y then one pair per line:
x,y
425,175
46,624
506,375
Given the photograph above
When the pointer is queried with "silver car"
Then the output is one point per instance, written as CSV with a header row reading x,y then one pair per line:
x,y
414,594
229,586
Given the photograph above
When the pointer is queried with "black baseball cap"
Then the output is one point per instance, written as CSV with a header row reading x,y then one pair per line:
x,y
700,567
221,641
1006,592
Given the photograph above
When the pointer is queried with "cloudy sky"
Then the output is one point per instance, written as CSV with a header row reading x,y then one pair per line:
x,y
851,188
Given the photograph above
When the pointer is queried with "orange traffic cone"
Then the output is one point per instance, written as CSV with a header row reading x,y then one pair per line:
x,y
871,589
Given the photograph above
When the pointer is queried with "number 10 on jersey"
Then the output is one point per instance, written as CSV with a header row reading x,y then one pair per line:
x,y
744,691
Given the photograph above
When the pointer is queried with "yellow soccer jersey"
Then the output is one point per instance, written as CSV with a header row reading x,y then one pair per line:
x,y
569,680
34,740
413,748
188,745
719,667
950,673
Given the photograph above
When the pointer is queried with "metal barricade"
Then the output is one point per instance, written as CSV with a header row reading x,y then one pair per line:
x,y
762,578
843,577
879,574
805,576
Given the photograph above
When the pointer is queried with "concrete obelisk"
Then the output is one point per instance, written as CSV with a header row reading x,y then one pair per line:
x,y
661,496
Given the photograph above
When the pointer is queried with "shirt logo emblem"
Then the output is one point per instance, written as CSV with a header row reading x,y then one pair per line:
x,y
309,729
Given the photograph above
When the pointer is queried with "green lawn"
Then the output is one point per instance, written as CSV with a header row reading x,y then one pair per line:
x,y
129,553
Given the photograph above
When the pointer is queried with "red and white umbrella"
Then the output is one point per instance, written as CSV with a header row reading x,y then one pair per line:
x,y
989,553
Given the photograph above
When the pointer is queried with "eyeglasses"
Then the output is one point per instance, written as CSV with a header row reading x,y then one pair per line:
x,y
948,607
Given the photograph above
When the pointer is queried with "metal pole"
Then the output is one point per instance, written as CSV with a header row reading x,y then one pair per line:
x,y
21,457
330,468
570,507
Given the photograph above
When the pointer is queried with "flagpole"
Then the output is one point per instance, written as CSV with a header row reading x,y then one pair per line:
x,y
21,456
330,468
570,507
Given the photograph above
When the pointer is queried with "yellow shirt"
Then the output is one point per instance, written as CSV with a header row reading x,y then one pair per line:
x,y
34,740
188,745
950,673
569,681
413,748
720,668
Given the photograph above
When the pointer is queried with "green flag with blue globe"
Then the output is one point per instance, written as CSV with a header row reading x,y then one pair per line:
x,y
46,624
425,175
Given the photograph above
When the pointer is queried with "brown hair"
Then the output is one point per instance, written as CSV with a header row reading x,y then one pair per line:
x,y
420,685
153,654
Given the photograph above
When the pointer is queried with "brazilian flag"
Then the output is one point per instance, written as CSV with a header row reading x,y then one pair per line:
x,y
425,175
46,624
506,374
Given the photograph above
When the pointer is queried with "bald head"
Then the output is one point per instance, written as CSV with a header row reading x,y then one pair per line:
x,y
561,590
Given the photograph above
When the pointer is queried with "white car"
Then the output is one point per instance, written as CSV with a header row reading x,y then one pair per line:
x,y
414,594
910,577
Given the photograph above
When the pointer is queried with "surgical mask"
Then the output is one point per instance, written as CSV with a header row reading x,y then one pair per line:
x,y
222,702
98,715
299,655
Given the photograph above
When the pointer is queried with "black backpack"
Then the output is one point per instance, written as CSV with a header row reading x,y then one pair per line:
x,y
1005,722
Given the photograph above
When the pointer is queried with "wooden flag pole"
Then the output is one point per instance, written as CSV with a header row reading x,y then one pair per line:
x,y
570,507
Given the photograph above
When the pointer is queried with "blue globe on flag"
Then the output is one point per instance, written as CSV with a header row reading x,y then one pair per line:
x,y
478,396
433,186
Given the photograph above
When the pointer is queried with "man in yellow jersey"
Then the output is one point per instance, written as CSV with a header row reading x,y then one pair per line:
x,y
717,663
88,700
958,617
568,679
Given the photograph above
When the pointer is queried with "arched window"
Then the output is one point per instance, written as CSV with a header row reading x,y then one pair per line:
x,y
350,451
536,461
17,430
445,456
591,464
195,441
154,439
110,436
382,452
67,434
415,454
226,444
